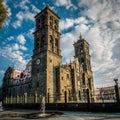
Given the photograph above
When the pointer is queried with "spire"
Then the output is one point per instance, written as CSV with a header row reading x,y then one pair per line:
x,y
80,36
47,6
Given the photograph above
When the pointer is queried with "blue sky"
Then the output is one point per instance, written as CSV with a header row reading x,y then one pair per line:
x,y
97,20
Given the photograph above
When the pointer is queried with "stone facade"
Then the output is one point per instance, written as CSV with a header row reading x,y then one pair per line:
x,y
49,75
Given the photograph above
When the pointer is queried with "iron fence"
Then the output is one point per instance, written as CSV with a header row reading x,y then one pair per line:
x,y
63,98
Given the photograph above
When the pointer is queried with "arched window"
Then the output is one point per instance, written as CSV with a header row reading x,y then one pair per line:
x,y
56,22
51,18
56,42
51,23
82,60
55,27
79,94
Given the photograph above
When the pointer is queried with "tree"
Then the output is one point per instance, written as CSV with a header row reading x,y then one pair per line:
x,y
3,13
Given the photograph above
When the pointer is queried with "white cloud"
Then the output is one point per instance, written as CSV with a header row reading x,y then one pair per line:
x,y
35,9
67,41
10,38
17,24
2,72
29,34
23,4
65,24
66,3
21,39
25,15
15,46
23,48
68,23
13,53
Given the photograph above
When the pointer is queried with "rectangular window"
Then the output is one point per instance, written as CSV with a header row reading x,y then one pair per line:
x,y
67,76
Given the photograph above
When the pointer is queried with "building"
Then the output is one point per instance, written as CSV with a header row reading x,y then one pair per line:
x,y
6,81
45,75
106,94
49,75
17,82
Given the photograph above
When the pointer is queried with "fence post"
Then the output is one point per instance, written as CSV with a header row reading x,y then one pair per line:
x,y
11,99
65,96
17,99
25,97
6,100
35,97
88,95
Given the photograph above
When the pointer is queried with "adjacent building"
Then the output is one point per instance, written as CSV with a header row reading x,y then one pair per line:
x,y
105,94
17,82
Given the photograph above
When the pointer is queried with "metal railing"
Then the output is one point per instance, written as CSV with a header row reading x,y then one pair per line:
x,y
63,98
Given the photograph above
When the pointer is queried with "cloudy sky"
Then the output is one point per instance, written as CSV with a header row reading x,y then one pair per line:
x,y
97,20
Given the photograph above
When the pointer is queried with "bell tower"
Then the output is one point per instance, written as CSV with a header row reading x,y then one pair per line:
x,y
82,53
81,48
46,53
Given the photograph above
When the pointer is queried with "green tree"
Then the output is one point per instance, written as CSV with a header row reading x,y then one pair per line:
x,y
3,13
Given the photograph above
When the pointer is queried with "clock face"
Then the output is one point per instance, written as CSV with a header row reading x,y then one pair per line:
x,y
38,61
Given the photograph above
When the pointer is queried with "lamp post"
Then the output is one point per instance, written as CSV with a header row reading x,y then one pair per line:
x,y
117,90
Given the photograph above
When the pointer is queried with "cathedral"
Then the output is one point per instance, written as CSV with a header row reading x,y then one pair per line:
x,y
48,76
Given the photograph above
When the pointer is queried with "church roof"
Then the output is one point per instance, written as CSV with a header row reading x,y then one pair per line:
x,y
47,7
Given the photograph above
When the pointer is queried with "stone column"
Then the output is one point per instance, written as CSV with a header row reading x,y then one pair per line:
x,y
17,99
25,97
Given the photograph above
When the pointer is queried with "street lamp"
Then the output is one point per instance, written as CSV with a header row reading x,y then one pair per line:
x,y
117,90
116,81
